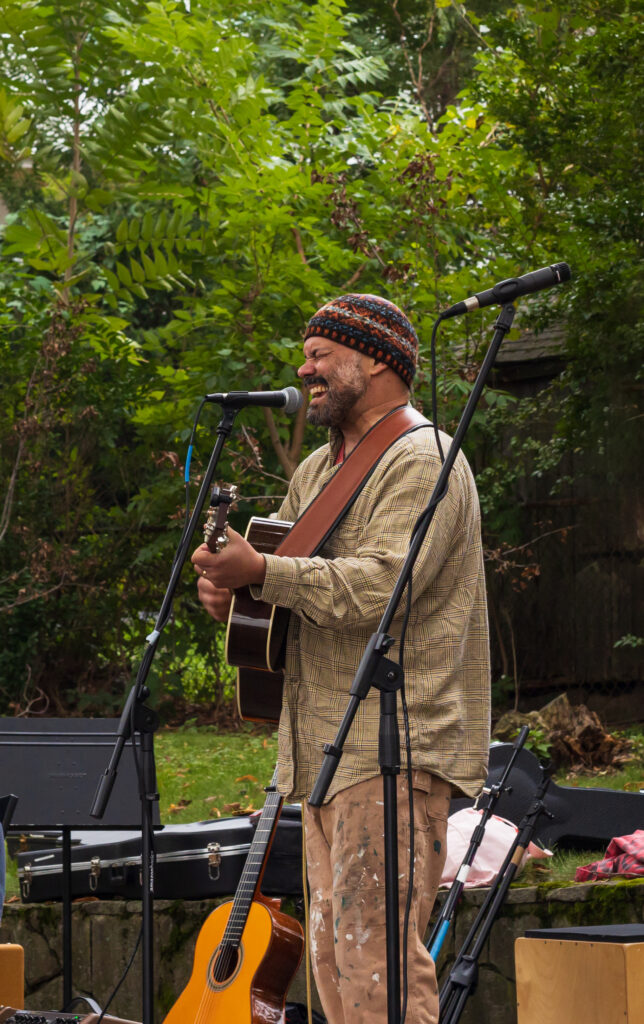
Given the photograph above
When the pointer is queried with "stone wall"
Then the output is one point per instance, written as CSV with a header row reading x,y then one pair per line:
x,y
105,934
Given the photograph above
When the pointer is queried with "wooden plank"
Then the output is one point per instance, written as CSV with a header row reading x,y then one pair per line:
x,y
568,982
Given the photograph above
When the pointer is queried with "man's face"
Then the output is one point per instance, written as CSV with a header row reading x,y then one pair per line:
x,y
336,378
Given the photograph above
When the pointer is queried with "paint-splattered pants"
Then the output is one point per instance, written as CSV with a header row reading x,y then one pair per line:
x,y
346,869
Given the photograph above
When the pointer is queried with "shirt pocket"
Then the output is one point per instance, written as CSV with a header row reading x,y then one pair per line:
x,y
345,539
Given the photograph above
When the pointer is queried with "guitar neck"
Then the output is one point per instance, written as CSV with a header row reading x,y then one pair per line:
x,y
254,867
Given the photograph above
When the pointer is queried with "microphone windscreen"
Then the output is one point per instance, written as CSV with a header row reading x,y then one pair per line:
x,y
562,271
294,399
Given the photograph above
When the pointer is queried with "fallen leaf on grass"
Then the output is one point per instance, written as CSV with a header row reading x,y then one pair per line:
x,y
246,778
237,809
214,812
175,808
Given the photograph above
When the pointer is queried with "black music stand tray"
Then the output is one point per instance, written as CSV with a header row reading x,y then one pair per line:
x,y
52,764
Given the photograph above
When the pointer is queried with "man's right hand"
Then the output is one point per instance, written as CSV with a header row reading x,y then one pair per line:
x,y
216,600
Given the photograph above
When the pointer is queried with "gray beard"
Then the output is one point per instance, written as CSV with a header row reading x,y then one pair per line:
x,y
344,391
334,411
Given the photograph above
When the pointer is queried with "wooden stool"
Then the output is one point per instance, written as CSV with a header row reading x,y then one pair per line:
x,y
592,975
12,975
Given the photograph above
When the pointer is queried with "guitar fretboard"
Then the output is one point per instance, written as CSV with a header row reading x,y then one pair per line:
x,y
250,876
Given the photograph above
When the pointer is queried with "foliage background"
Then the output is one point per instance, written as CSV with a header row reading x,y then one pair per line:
x,y
186,183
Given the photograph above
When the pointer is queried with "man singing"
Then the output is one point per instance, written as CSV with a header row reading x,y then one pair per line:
x,y
360,355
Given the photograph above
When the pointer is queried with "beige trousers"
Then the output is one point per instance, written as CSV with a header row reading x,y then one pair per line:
x,y
346,870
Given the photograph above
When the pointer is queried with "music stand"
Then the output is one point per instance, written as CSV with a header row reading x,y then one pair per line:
x,y
51,764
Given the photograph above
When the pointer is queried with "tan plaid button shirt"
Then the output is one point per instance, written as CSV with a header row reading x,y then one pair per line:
x,y
338,599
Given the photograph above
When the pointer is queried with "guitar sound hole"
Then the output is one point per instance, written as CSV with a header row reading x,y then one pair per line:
x,y
224,964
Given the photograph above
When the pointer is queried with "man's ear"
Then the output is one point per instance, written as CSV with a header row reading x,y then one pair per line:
x,y
377,368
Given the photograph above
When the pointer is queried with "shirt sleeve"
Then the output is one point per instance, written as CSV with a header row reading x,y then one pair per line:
x,y
343,591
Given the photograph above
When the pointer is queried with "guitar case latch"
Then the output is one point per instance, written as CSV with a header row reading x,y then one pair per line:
x,y
25,881
214,861
94,872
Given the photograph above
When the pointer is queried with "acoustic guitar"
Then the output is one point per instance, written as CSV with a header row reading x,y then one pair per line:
x,y
247,951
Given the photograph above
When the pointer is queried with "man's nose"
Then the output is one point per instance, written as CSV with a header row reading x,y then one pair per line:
x,y
307,369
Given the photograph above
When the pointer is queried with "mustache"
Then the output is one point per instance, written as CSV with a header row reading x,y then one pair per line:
x,y
310,382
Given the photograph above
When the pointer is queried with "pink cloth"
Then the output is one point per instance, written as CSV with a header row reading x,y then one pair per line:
x,y
497,840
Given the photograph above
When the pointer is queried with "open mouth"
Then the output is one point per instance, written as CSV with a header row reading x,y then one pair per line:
x,y
317,390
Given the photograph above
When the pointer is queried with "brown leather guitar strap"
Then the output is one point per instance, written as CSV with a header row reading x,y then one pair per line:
x,y
311,530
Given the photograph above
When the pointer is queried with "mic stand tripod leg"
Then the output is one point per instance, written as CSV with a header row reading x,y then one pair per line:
x,y
145,724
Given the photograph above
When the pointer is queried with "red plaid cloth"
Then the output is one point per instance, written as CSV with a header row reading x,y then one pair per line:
x,y
624,856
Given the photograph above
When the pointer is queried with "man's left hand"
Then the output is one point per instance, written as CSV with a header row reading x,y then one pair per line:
x,y
236,565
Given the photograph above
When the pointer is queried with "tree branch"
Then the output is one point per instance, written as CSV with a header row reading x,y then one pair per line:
x,y
297,437
11,487
354,278
299,245
283,455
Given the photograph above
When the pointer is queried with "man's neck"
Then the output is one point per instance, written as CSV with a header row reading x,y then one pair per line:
x,y
354,430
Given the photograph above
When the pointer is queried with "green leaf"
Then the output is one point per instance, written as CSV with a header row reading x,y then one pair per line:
x,y
124,275
137,271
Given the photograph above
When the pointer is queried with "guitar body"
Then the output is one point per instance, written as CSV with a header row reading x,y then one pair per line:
x,y
259,695
256,635
255,992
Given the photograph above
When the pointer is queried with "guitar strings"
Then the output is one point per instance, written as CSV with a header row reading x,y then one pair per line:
x,y
227,953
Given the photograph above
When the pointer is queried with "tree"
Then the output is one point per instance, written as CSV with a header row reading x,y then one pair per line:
x,y
184,186
186,183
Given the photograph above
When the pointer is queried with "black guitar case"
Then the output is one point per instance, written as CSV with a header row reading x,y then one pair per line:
x,y
582,819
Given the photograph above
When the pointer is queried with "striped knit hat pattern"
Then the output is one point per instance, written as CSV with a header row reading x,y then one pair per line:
x,y
371,325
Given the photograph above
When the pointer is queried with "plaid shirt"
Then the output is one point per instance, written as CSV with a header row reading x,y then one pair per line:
x,y
339,597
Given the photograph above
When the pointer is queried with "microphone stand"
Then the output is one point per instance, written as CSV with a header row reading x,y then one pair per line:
x,y
463,976
138,718
487,801
375,669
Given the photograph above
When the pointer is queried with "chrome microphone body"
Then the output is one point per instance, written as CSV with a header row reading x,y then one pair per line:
x,y
288,399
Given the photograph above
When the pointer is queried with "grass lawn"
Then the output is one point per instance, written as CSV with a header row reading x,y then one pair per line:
x,y
205,774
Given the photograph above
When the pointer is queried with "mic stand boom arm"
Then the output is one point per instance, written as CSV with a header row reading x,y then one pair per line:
x,y
386,675
137,717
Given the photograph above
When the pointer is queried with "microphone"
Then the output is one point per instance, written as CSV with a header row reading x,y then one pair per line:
x,y
508,291
289,399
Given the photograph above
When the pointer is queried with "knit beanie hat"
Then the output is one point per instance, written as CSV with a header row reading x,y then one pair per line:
x,y
371,325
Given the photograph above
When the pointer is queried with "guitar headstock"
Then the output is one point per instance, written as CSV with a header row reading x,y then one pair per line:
x,y
215,531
